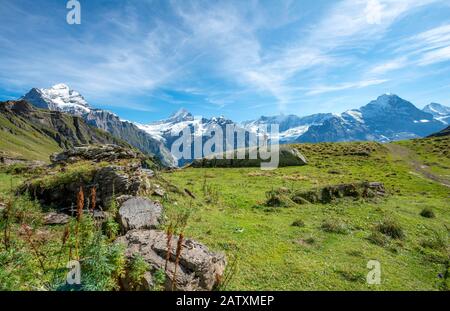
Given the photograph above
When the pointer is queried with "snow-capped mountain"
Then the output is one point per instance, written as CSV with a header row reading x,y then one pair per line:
x,y
290,126
61,98
387,118
168,130
440,112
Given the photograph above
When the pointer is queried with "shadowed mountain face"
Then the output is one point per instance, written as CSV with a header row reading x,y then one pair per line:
x,y
444,132
61,98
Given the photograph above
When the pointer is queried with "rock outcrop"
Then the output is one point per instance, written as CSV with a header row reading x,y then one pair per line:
x,y
199,268
331,193
59,186
140,213
96,153
54,218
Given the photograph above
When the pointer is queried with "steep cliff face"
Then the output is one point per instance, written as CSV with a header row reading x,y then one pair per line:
x,y
129,132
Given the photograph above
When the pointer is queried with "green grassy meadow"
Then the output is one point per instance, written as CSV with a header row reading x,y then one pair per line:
x,y
294,247
229,215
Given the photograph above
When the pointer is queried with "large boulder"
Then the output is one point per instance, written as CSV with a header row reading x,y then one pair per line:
x,y
287,156
199,268
140,213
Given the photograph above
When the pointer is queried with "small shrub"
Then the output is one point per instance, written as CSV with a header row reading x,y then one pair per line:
x,y
137,267
159,279
437,241
427,213
351,276
390,228
334,226
278,198
298,223
378,239
310,240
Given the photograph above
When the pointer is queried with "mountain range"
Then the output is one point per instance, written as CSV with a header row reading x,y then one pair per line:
x,y
387,118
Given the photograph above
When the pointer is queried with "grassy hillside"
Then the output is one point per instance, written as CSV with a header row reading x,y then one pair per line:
x,y
323,246
23,141
34,134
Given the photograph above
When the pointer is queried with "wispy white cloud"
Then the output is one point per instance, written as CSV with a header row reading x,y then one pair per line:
x,y
426,48
344,86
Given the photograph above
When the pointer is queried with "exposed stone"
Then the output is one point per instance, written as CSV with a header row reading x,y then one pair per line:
x,y
140,213
123,198
158,190
54,218
330,193
95,153
287,156
148,172
199,268
109,181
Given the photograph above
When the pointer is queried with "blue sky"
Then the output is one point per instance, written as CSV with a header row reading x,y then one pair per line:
x,y
144,59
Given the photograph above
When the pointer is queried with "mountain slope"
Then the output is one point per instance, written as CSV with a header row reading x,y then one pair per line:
x,y
34,133
61,98
444,132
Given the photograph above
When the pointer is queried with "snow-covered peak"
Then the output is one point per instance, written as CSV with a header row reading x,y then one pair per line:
x,y
59,97
179,116
437,110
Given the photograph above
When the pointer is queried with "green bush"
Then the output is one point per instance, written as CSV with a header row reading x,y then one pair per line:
x,y
427,213
334,226
137,267
378,239
298,223
390,228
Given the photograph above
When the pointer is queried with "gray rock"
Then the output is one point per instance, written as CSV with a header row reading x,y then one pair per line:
x,y
199,268
158,190
148,172
140,213
330,193
94,153
54,218
121,199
